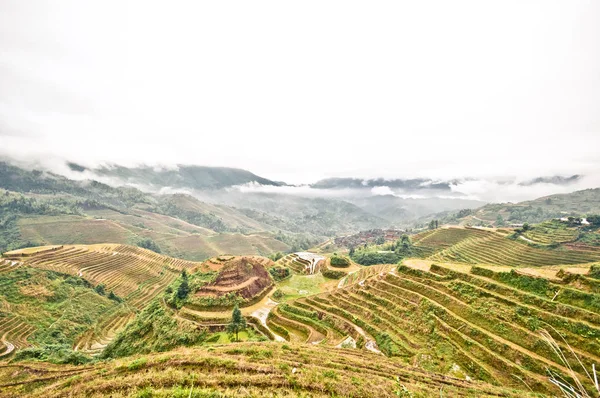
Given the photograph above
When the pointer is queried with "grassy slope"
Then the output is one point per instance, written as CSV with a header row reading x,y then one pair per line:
x,y
135,275
479,246
174,237
244,369
47,310
579,203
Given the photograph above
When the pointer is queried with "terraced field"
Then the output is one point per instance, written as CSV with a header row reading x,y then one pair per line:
x,y
478,246
136,275
302,263
551,232
481,324
131,272
14,331
244,369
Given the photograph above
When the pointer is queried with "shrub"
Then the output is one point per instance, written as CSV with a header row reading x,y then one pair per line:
x,y
276,256
137,364
339,261
114,297
594,271
482,272
54,353
100,289
280,273
367,257
278,294
149,244
331,274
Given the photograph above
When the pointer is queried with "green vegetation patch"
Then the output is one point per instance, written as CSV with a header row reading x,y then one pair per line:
x,y
55,307
154,329
339,261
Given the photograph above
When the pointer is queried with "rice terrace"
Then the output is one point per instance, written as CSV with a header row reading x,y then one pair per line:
x,y
282,199
470,312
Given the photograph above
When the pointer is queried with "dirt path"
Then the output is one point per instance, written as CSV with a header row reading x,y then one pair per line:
x,y
263,312
526,239
9,348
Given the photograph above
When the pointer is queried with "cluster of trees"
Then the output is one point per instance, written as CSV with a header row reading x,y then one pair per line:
x,y
531,214
526,227
594,220
101,290
297,242
178,297
372,257
463,213
149,244
384,254
339,261
206,220
280,273
433,224
333,274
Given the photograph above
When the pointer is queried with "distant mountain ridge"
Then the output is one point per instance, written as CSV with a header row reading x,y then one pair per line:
x,y
180,176
410,184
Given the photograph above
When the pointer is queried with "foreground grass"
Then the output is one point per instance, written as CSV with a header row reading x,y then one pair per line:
x,y
242,369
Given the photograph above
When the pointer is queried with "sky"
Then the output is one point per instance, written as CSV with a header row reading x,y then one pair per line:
x,y
298,91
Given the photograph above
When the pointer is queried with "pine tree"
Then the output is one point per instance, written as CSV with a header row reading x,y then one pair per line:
x,y
238,323
184,287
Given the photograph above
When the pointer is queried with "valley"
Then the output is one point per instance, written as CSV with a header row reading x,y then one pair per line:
x,y
110,289
472,306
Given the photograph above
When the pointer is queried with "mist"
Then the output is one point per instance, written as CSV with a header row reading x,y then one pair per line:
x,y
300,93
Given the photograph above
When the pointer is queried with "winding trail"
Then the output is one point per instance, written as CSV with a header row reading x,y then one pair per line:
x,y
9,348
263,312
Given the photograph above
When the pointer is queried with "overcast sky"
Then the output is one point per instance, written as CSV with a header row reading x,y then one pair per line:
x,y
297,91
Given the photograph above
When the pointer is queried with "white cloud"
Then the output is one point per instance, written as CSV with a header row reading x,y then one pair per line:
x,y
382,191
302,91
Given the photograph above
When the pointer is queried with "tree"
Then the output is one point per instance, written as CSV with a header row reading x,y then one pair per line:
x,y
594,220
436,224
499,220
238,323
432,224
184,287
276,256
100,289
149,244
114,297
526,227
351,253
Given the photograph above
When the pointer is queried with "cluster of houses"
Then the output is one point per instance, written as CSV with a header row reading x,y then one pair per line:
x,y
370,236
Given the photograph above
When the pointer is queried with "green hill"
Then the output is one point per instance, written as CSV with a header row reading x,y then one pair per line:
x,y
577,204
183,176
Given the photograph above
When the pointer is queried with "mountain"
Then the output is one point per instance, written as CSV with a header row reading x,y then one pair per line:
x,y
407,184
403,210
40,207
180,176
576,204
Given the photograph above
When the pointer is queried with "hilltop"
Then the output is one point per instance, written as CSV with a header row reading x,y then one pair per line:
x,y
576,204
244,277
180,176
